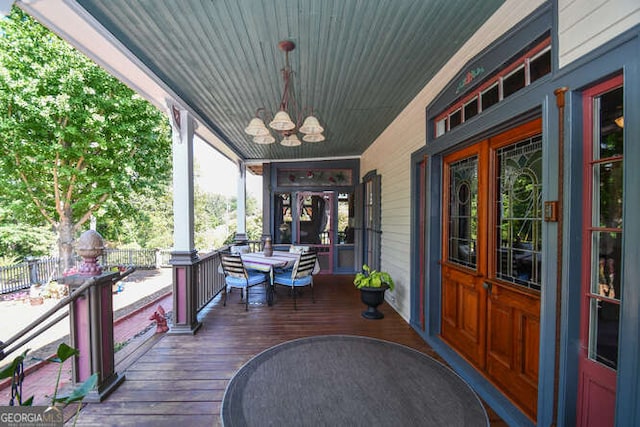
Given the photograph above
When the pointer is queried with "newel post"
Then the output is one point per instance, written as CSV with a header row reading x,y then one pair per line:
x,y
91,320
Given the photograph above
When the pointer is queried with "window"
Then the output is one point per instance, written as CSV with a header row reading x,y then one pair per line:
x,y
471,108
519,213
540,65
455,119
346,232
283,218
604,153
490,96
441,126
463,212
513,82
514,76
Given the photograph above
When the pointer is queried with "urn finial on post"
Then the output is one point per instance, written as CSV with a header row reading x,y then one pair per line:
x,y
90,246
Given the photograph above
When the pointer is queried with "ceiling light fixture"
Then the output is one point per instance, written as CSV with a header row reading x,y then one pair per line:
x,y
281,121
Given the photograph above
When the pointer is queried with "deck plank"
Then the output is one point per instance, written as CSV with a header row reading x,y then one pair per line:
x,y
181,379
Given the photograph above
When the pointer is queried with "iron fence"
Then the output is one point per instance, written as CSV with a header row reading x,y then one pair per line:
x,y
139,258
42,270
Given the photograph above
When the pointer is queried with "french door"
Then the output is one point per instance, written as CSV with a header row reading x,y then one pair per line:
x,y
314,222
602,252
491,261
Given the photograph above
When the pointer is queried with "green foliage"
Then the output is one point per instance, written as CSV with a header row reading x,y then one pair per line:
x,y
220,216
149,226
18,240
7,260
74,141
372,279
63,353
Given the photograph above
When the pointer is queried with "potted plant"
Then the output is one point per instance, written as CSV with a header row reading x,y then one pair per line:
x,y
372,284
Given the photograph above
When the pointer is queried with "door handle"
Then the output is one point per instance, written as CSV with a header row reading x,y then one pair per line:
x,y
488,286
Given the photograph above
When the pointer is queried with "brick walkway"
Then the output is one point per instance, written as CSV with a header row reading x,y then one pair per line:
x,y
40,378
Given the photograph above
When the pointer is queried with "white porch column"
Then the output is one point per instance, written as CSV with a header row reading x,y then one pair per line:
x,y
184,254
182,149
241,211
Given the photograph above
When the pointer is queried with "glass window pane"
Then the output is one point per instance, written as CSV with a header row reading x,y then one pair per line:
x,y
314,219
441,127
463,212
282,220
345,214
455,119
603,332
471,109
490,96
513,82
607,258
540,65
607,201
519,211
610,126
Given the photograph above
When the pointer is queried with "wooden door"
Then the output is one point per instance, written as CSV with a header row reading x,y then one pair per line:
x,y
464,267
492,259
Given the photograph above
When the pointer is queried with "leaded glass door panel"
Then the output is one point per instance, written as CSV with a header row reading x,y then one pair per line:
x,y
491,266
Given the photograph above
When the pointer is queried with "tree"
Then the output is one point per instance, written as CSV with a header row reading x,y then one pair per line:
x,y
74,141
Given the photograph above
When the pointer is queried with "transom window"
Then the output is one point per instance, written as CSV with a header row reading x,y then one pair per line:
x,y
520,73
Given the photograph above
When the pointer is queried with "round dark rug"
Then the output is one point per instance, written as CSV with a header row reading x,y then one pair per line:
x,y
341,380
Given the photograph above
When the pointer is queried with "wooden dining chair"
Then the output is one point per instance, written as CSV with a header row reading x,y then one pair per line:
x,y
237,276
301,275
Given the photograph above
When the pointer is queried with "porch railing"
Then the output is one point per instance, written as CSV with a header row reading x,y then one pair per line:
x,y
210,280
47,320
209,274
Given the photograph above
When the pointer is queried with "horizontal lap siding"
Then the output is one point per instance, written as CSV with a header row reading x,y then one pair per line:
x,y
584,24
390,154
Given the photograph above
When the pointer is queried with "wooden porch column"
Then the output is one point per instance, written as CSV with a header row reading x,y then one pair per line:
x,y
184,254
267,198
241,212
91,322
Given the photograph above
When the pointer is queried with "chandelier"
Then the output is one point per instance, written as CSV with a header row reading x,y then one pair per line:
x,y
281,122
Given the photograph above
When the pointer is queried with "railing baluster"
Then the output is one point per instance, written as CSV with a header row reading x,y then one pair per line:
x,y
16,384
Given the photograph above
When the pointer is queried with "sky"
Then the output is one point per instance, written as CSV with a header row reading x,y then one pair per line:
x,y
216,174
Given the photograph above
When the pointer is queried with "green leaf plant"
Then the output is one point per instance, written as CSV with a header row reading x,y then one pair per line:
x,y
77,394
372,279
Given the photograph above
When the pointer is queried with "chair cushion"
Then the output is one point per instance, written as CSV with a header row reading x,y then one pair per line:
x,y
240,249
285,279
298,249
238,282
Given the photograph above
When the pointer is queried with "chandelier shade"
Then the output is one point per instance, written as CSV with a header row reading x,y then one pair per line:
x,y
313,137
282,121
291,140
256,127
311,125
264,139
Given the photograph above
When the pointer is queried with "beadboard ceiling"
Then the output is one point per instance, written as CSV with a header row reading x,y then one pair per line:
x,y
358,63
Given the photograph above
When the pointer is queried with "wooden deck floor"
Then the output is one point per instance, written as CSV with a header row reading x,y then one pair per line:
x,y
180,380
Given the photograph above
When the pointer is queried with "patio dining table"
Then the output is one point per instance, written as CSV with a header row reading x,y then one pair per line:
x,y
259,261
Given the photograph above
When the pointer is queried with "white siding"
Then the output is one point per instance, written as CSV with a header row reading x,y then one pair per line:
x,y
583,25
390,154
